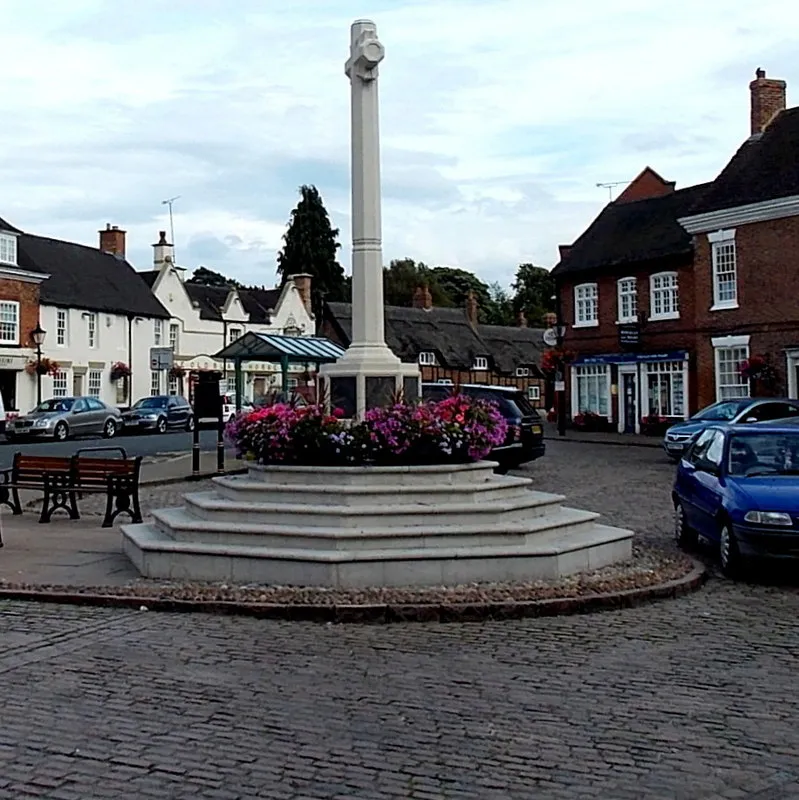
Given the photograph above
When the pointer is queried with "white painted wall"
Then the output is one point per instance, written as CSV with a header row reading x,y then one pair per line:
x,y
80,359
199,339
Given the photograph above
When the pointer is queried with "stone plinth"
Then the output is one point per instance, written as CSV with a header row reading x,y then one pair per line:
x,y
372,526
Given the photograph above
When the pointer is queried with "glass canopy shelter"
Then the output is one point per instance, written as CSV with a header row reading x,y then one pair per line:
x,y
277,349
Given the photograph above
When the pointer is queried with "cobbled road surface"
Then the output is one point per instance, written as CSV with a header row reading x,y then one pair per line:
x,y
696,698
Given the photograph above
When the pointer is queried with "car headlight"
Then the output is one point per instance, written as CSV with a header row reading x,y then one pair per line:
x,y
43,423
779,518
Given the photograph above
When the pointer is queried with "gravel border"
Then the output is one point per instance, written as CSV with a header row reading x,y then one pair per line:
x,y
651,575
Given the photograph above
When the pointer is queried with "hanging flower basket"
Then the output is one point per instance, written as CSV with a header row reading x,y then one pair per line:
x,y
177,371
44,367
119,370
760,371
554,359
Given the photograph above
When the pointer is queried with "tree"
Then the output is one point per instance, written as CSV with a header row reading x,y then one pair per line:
x,y
401,279
456,285
534,289
207,277
309,246
500,311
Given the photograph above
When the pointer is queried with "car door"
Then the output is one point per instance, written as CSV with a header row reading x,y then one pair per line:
x,y
172,412
708,495
685,483
96,415
79,417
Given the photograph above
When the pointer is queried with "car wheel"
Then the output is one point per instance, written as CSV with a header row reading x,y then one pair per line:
x,y
729,554
160,426
61,432
190,424
110,429
684,535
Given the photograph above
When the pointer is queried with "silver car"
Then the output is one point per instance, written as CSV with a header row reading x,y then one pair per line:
x,y
62,417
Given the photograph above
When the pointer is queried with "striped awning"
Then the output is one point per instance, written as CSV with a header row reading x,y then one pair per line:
x,y
274,347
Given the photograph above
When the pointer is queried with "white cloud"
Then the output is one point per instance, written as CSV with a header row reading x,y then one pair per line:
x,y
499,117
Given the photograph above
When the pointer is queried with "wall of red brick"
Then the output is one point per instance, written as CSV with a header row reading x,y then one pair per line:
x,y
27,295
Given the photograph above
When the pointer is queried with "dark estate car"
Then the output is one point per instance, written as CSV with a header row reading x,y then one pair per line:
x,y
738,487
747,410
159,413
525,441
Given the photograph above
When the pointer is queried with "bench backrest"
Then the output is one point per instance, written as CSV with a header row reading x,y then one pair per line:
x,y
31,468
86,472
95,471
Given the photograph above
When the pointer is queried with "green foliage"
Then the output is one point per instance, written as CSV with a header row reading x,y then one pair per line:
x,y
207,277
533,291
310,245
401,279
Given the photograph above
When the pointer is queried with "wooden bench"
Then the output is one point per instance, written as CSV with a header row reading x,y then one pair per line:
x,y
63,479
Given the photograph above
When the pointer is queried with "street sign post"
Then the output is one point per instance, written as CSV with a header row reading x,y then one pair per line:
x,y
161,358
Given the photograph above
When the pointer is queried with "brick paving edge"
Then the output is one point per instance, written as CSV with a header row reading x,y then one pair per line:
x,y
384,613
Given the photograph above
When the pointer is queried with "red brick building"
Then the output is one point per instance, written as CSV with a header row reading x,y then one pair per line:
x,y
668,291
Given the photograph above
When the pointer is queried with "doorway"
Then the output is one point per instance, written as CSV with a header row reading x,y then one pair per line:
x,y
629,401
8,389
77,384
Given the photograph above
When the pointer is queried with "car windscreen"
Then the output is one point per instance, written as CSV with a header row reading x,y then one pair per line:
x,y
764,453
721,412
151,402
56,404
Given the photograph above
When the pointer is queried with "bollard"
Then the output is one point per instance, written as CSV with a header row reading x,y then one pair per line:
x,y
220,444
195,451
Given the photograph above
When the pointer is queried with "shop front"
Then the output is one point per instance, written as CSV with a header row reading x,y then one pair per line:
x,y
17,387
633,392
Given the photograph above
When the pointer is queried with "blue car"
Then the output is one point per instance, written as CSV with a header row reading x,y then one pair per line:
x,y
679,437
738,486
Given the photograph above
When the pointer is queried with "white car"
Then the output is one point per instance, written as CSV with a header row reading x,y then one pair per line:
x,y
229,407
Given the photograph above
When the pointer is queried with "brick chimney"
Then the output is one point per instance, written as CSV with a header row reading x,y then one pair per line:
x,y
768,99
471,307
645,185
302,283
422,298
521,319
112,240
163,251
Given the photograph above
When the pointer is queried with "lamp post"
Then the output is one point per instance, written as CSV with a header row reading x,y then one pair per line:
x,y
559,331
38,334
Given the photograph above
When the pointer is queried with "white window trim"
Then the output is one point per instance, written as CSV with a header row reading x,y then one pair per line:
x,y
644,394
480,363
534,393
718,237
522,372
792,361
671,314
16,339
427,359
594,323
634,318
574,393
724,343
11,239
65,313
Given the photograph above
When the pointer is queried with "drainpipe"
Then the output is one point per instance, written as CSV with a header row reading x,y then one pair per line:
x,y
224,344
560,329
130,360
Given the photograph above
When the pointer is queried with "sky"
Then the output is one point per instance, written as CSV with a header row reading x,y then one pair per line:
x,y
498,118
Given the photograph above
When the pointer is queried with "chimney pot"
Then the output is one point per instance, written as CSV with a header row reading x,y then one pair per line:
x,y
471,307
302,283
768,98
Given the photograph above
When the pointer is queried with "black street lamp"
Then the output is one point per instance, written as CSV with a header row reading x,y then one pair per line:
x,y
38,334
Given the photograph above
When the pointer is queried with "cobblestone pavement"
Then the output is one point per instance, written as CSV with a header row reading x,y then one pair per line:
x,y
694,698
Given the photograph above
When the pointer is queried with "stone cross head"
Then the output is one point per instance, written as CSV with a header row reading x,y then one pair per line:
x,y
366,52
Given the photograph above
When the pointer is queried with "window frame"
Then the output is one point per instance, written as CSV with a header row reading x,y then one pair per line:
x,y
155,383
579,302
655,373
427,359
97,374
174,341
61,333
522,372
534,393
720,345
480,364
91,330
16,323
9,240
623,318
158,332
674,291
602,373
58,391
231,338
718,242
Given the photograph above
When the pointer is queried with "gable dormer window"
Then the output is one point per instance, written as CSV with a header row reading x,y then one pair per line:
x,y
8,249
480,362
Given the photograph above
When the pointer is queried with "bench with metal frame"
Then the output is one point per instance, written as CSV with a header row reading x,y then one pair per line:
x,y
64,479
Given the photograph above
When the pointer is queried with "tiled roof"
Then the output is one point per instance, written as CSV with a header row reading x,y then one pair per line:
x,y
85,277
513,347
258,303
5,226
149,276
766,167
631,232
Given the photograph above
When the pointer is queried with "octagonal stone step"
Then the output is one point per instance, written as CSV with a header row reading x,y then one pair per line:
x,y
543,558
241,488
180,525
212,506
